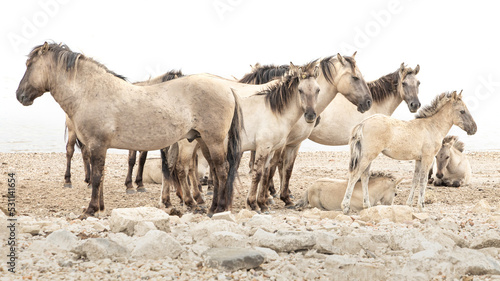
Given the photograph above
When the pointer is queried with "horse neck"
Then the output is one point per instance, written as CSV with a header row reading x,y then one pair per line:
x,y
455,159
387,105
293,111
71,90
327,94
441,122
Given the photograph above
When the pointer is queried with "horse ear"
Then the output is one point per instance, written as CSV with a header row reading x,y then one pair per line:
x,y
341,59
402,67
353,55
417,69
316,71
44,48
460,94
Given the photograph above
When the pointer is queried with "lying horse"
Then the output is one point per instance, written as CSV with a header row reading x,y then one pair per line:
x,y
326,194
452,166
418,139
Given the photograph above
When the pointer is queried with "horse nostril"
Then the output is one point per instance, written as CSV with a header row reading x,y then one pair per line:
x,y
369,103
439,175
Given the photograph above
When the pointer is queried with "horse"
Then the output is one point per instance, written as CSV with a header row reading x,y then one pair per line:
x,y
326,194
388,92
109,112
418,139
339,74
451,165
72,140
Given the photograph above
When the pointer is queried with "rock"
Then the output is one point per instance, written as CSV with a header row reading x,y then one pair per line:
x,y
353,269
62,239
264,222
344,218
443,237
269,254
155,245
284,241
489,239
410,240
232,259
329,214
125,219
482,207
313,213
123,239
100,248
202,231
421,216
224,216
325,243
226,239
143,227
245,214
394,213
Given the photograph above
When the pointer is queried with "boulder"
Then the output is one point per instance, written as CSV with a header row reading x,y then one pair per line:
x,y
490,238
100,248
125,219
224,216
62,239
394,213
202,231
264,222
227,239
155,245
143,227
232,259
284,241
269,254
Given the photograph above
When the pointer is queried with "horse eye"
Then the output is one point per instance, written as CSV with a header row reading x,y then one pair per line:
x,y
447,157
405,84
317,91
300,91
355,78
462,111
418,83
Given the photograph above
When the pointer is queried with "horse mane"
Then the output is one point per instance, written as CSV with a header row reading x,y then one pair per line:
x,y
63,55
379,174
172,74
261,74
457,144
326,66
383,87
435,106
278,96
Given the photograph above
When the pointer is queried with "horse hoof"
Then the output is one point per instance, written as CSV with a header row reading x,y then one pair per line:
x,y
130,191
141,189
270,201
266,212
68,185
89,185
290,207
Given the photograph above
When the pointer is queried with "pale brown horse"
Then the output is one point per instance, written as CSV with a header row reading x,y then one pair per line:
x,y
452,166
72,140
339,74
418,139
109,112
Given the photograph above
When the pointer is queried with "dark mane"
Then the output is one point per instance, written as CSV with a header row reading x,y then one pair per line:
x,y
384,87
327,66
435,106
62,54
379,174
278,96
263,74
172,74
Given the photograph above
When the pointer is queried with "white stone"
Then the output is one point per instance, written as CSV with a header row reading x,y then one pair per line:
x,y
224,216
482,207
62,239
284,241
264,222
244,215
100,248
395,213
489,239
125,219
155,245
269,254
143,227
227,239
202,231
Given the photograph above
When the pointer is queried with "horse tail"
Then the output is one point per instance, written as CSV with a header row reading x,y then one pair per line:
x,y
355,147
303,202
234,152
169,156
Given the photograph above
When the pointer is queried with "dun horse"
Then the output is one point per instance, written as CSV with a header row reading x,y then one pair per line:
x,y
338,75
109,112
72,140
451,165
418,139
326,194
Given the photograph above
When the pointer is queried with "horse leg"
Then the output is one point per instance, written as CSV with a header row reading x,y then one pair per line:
x,y
264,191
275,163
97,161
251,162
193,178
414,183
365,177
424,169
354,176
289,155
86,164
183,181
258,167
70,150
207,154
140,169
165,180
128,180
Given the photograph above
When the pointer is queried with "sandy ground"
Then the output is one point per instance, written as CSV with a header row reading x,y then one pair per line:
x,y
40,179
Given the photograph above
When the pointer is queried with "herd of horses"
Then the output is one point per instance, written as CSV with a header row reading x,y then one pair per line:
x,y
269,112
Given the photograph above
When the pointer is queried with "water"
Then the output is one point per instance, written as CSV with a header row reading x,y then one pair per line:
x,y
40,127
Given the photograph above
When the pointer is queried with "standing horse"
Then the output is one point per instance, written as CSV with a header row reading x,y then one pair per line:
x,y
338,74
452,166
111,113
418,139
72,140
340,117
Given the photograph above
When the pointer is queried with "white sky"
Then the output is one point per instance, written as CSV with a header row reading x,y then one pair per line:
x,y
456,44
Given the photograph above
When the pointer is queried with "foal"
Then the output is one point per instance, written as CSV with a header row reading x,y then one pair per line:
x,y
418,139
452,166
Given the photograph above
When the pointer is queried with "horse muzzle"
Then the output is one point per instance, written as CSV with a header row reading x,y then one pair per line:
x,y
365,106
472,129
439,175
310,116
23,99
414,106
